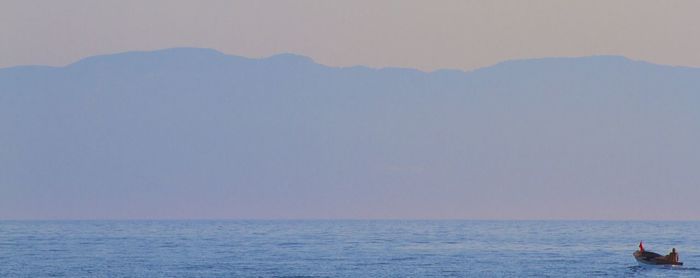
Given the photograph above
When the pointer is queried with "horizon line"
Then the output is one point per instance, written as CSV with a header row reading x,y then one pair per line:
x,y
339,219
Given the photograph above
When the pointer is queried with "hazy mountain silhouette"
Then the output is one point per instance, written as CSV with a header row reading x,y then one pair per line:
x,y
199,134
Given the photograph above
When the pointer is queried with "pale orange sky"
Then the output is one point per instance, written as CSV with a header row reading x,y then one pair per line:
x,y
419,34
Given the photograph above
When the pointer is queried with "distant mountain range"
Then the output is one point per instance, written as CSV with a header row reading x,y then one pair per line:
x,y
195,133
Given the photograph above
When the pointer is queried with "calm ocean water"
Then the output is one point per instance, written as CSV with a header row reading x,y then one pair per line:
x,y
341,248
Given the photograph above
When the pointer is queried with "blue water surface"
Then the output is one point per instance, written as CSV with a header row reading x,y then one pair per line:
x,y
352,248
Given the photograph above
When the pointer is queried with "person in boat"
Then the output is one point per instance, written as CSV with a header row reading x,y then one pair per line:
x,y
641,248
673,256
647,257
643,253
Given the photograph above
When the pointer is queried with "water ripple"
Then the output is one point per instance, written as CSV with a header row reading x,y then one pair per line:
x,y
340,248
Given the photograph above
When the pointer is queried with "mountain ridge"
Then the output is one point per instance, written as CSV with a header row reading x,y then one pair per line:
x,y
213,53
201,134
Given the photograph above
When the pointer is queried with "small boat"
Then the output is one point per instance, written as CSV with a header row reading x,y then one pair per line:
x,y
651,258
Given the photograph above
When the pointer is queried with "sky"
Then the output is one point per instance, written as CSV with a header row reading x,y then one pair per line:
x,y
427,35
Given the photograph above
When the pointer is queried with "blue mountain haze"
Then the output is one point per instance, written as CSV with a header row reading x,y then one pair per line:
x,y
195,133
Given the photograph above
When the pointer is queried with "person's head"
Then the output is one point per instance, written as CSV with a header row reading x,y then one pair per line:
x,y
673,250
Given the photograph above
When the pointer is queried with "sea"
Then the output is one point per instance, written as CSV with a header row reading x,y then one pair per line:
x,y
342,248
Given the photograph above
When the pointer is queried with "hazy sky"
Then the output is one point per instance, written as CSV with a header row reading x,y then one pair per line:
x,y
624,132
418,34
